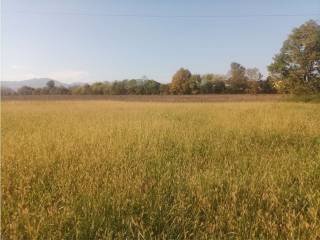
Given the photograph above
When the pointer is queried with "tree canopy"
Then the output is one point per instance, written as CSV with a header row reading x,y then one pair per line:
x,y
297,65
180,82
238,79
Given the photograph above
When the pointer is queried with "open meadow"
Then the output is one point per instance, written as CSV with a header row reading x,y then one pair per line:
x,y
160,170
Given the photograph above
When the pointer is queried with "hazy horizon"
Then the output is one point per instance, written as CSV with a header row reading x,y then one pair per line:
x,y
82,41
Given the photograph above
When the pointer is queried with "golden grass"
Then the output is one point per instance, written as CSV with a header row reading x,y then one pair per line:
x,y
119,170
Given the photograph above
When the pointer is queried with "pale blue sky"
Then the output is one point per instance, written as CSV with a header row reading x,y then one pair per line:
x,y
74,40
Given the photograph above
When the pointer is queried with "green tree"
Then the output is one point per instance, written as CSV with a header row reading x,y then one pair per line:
x,y
253,74
75,90
139,89
218,86
194,83
151,87
164,89
51,84
180,82
218,83
25,90
132,86
98,88
86,89
206,86
253,87
297,66
254,77
267,86
238,80
212,83
118,88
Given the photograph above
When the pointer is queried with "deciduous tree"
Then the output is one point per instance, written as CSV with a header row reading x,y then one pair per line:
x,y
180,82
297,65
238,80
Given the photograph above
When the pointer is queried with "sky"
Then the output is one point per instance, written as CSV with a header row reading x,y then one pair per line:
x,y
106,40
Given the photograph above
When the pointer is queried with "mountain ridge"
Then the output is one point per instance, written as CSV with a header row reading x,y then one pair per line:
x,y
35,83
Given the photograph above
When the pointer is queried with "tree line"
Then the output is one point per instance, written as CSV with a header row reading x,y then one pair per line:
x,y
295,69
241,80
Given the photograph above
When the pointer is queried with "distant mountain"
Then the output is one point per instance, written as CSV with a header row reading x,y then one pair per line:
x,y
35,83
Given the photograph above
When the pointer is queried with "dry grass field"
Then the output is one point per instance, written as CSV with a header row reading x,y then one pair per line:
x,y
154,170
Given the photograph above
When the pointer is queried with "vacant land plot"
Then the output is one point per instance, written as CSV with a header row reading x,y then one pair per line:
x,y
119,170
